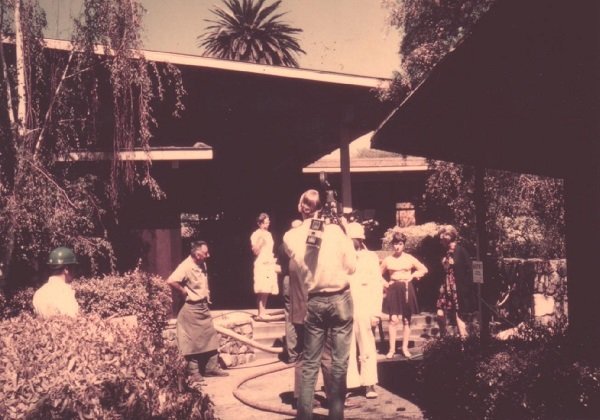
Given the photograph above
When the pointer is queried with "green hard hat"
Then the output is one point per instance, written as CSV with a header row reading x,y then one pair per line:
x,y
62,256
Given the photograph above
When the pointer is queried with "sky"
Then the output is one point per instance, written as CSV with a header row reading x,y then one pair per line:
x,y
345,36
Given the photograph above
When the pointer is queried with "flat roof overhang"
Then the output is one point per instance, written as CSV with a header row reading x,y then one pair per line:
x,y
519,94
365,159
222,94
199,151
370,165
238,66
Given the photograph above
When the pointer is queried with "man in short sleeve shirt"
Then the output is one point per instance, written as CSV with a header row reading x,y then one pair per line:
x,y
197,338
325,270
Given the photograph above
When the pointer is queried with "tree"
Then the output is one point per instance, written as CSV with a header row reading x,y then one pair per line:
x,y
430,29
246,31
525,213
52,103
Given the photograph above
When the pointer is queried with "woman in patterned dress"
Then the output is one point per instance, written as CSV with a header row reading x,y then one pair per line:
x,y
456,298
401,300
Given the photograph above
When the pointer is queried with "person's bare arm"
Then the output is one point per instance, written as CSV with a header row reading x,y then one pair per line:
x,y
177,287
257,245
175,281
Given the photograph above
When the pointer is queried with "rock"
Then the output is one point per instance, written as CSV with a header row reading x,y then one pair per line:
x,y
227,359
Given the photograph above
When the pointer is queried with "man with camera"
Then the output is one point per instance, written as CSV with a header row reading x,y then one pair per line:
x,y
324,257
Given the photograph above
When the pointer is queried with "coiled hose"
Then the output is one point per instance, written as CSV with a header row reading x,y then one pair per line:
x,y
236,391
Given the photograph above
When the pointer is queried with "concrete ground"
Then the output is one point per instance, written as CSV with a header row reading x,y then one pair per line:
x,y
264,392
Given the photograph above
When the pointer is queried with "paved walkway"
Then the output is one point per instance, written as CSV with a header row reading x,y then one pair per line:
x,y
270,389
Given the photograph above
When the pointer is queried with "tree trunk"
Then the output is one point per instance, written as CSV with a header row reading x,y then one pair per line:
x,y
6,87
20,61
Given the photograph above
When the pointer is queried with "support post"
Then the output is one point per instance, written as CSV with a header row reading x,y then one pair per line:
x,y
582,209
345,159
482,245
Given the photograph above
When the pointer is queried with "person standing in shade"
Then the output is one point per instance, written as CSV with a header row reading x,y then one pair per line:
x,y
366,287
401,300
323,257
294,305
197,338
457,299
265,265
57,297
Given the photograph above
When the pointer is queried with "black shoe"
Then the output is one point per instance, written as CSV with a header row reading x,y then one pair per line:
x,y
219,372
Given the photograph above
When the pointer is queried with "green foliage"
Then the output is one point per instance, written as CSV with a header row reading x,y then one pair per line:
x,y
539,375
247,31
449,193
136,293
89,368
430,29
73,100
526,216
17,303
38,225
525,213
415,236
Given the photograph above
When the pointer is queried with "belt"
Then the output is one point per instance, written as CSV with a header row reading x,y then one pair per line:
x,y
203,300
325,294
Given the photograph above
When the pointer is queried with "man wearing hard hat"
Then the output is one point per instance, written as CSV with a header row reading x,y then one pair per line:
x,y
57,297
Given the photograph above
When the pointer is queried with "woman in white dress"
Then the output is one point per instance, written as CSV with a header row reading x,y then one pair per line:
x,y
265,265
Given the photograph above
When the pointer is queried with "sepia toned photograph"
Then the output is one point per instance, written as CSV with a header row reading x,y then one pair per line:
x,y
299,209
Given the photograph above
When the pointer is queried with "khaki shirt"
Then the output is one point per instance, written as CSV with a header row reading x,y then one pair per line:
x,y
193,278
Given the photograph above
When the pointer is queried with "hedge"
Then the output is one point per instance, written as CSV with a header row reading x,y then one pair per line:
x,y
135,293
87,367
540,375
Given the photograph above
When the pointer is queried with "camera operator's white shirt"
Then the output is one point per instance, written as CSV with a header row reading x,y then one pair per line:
x,y
55,298
324,269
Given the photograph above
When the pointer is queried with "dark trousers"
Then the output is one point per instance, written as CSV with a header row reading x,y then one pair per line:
x,y
199,364
326,315
293,345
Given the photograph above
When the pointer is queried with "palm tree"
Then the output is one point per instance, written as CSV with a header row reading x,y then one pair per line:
x,y
247,31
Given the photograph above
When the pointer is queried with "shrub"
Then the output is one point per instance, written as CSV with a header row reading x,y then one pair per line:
x,y
89,368
539,375
415,235
17,303
135,293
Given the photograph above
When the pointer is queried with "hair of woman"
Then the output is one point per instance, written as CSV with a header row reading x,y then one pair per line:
x,y
261,218
398,237
450,231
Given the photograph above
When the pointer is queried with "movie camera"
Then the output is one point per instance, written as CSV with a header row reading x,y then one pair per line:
x,y
332,212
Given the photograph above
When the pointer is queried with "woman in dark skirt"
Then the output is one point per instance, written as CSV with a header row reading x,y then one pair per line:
x,y
401,300
456,299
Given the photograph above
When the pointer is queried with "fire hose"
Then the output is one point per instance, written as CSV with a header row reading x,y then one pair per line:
x,y
236,391
249,341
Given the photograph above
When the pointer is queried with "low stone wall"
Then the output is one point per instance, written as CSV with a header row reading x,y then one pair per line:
x,y
231,351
